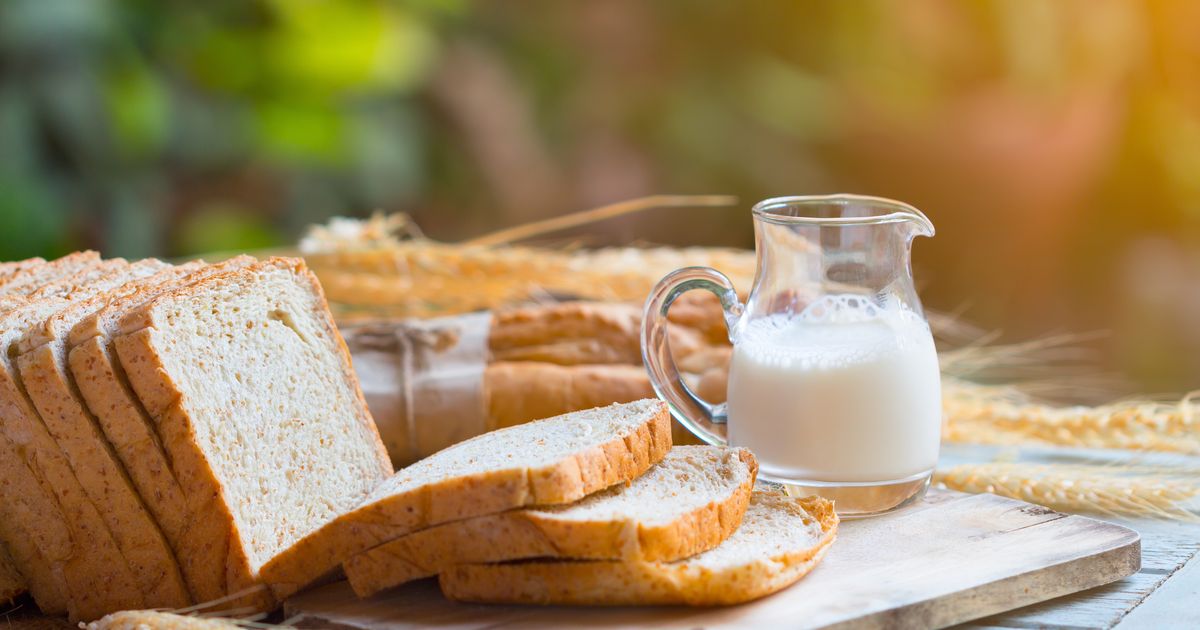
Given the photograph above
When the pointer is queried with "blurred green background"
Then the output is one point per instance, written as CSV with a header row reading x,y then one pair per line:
x,y
1055,144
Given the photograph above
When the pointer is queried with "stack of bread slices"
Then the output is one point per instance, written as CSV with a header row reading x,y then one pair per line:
x,y
174,435
593,507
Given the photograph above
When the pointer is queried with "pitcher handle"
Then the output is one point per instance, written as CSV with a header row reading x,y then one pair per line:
x,y
696,414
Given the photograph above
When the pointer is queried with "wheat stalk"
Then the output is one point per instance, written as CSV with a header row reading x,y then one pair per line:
x,y
1110,490
990,415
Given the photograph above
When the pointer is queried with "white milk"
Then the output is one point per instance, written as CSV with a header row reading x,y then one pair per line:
x,y
843,392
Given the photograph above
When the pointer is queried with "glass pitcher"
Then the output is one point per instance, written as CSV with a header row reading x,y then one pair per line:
x,y
834,381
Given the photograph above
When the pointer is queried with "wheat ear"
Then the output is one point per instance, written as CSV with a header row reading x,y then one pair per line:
x,y
1109,490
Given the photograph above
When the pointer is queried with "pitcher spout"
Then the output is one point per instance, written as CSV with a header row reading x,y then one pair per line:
x,y
842,210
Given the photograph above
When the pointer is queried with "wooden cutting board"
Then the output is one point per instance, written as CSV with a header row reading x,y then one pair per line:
x,y
952,558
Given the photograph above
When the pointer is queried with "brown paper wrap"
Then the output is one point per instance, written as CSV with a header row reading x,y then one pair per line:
x,y
432,383
423,381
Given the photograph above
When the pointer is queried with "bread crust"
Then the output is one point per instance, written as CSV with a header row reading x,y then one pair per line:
x,y
571,333
532,533
641,583
518,392
458,497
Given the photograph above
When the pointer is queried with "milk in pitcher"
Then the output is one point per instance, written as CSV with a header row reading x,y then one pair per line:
x,y
845,391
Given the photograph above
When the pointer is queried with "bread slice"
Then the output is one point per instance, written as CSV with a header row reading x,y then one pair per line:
x,y
12,583
42,362
687,503
547,462
780,540
251,389
130,430
34,276
65,524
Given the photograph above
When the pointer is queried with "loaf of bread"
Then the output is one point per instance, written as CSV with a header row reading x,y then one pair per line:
x,y
779,541
687,503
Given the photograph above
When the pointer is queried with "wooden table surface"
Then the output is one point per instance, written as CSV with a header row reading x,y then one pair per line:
x,y
1165,593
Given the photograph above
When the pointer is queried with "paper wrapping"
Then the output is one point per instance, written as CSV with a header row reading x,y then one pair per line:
x,y
423,381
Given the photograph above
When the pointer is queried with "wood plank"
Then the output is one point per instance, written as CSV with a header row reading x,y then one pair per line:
x,y
1173,605
953,559
1103,607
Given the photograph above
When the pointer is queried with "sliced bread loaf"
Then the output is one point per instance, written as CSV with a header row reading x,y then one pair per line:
x,y
67,526
42,362
547,462
251,389
687,503
129,429
779,541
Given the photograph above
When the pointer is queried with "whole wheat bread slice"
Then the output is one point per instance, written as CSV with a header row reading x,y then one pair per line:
x,y
42,361
131,431
687,503
547,462
779,541
256,404
66,525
